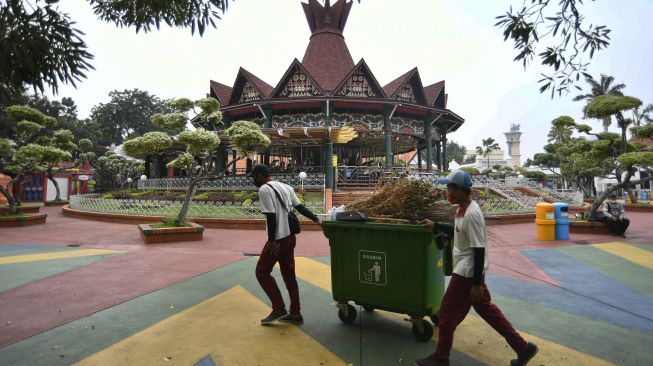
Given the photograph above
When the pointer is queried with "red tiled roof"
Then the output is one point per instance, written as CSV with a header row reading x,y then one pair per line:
x,y
432,91
262,86
327,57
221,91
395,84
368,72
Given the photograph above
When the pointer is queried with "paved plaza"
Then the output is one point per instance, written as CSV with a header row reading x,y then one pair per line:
x,y
90,293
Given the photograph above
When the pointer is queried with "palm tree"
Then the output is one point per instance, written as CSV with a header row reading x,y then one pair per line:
x,y
602,87
489,145
643,117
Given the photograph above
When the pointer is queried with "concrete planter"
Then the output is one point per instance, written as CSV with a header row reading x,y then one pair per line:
x,y
27,220
150,235
588,227
26,208
637,208
57,203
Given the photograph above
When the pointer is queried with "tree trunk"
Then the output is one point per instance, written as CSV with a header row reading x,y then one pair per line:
x,y
55,183
190,191
13,207
606,123
632,196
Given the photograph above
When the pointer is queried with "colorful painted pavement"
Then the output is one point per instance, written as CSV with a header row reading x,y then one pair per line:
x,y
121,303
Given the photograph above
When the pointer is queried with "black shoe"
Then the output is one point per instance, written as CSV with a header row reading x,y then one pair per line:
x,y
431,361
525,356
293,318
274,315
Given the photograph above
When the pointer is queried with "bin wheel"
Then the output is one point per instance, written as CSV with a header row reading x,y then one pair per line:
x,y
369,309
427,332
434,319
350,317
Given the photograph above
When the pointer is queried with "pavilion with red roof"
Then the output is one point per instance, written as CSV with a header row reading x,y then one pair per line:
x,y
326,105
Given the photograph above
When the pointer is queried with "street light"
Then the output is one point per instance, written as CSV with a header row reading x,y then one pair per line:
x,y
302,176
129,182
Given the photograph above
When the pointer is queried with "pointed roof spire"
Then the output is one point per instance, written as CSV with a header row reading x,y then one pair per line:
x,y
327,57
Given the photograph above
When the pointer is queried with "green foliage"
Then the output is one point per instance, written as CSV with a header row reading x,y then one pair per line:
x,y
26,129
113,170
181,104
51,50
201,197
24,113
183,161
85,144
127,114
470,170
643,131
6,149
247,138
198,142
607,105
91,185
147,144
455,152
540,176
169,121
530,26
636,159
247,202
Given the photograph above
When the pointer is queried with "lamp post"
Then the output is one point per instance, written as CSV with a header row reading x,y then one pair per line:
x,y
302,176
143,178
129,182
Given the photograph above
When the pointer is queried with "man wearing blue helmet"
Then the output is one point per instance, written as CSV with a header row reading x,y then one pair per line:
x,y
467,286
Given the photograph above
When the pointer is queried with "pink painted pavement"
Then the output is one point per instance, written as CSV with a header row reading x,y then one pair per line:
x,y
85,290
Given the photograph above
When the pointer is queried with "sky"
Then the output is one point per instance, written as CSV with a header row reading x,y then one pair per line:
x,y
451,40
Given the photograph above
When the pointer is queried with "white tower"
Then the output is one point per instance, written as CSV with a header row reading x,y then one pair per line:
x,y
512,138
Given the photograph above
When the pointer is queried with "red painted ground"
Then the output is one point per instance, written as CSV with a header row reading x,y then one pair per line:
x,y
85,290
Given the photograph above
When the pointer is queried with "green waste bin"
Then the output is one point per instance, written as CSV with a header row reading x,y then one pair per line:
x,y
392,267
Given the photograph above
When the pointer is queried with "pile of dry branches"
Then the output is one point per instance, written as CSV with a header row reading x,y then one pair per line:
x,y
408,199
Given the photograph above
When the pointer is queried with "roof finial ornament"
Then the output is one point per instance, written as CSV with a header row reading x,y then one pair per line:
x,y
327,17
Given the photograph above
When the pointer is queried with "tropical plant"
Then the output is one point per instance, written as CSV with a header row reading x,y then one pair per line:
x,y
644,116
598,88
566,28
489,145
199,158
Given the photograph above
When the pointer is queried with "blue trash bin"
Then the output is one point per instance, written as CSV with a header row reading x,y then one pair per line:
x,y
561,215
644,195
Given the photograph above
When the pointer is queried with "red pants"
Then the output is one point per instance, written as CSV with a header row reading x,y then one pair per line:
x,y
455,306
286,261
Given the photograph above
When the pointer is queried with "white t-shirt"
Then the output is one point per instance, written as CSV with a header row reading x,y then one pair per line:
x,y
469,232
270,204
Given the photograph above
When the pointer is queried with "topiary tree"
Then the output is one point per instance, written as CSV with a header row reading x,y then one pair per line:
x,y
32,150
113,170
605,106
199,156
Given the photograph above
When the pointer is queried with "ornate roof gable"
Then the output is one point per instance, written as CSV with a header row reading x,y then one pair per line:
x,y
248,88
297,83
360,83
406,88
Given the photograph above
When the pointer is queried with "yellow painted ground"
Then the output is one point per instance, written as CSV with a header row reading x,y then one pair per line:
x,y
236,339
56,255
629,252
474,337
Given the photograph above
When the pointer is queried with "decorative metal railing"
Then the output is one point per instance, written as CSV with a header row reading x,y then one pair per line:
x,y
572,198
237,183
90,202
502,206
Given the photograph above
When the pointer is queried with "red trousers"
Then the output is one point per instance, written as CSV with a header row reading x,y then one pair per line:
x,y
454,308
286,261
